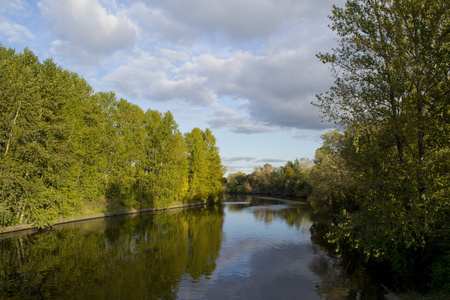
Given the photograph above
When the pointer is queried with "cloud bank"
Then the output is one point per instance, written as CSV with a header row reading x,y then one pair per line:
x,y
250,65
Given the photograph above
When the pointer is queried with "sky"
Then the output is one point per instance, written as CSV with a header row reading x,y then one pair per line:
x,y
246,69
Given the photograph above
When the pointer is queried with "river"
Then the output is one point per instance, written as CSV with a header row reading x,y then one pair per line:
x,y
246,248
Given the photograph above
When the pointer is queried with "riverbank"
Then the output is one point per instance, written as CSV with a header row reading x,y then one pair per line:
x,y
5,231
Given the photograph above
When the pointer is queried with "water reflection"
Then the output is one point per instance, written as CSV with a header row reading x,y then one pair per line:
x,y
249,248
341,277
120,258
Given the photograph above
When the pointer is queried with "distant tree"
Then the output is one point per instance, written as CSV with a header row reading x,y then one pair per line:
x,y
236,182
289,180
260,180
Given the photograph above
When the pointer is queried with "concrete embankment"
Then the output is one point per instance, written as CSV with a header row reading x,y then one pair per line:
x,y
21,227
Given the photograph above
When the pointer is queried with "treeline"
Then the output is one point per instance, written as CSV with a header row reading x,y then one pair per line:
x,y
384,181
64,147
289,180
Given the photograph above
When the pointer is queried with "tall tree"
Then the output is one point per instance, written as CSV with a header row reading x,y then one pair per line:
x,y
198,165
165,163
391,72
20,106
36,145
205,167
391,95
64,148
216,170
126,140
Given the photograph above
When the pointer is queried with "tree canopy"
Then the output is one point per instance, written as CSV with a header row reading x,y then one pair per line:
x,y
391,98
65,147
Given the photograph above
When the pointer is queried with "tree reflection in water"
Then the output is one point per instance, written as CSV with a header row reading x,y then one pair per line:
x,y
342,277
123,258
268,253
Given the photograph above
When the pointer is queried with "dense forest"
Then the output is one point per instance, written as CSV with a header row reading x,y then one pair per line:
x,y
67,150
382,181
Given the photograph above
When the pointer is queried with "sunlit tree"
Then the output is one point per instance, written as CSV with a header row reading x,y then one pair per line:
x,y
391,98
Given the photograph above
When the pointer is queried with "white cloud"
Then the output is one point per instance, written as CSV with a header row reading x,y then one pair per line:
x,y
235,19
135,78
15,33
146,77
13,7
88,27
278,88
275,82
188,88
12,29
158,26
309,135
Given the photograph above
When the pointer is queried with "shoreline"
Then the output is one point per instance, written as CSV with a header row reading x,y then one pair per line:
x,y
5,231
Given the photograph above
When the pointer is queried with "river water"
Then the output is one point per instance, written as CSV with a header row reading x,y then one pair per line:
x,y
246,248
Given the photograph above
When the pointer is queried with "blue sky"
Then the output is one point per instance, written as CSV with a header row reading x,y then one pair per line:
x,y
246,69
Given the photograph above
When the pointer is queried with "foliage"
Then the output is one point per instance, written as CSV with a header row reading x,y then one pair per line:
x,y
441,272
330,178
6,216
64,147
165,162
205,170
391,98
289,180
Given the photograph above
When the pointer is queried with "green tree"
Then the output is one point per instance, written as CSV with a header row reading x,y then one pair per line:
x,y
84,136
261,179
216,170
205,168
391,72
391,96
126,140
238,183
165,163
330,177
19,111
65,149
36,145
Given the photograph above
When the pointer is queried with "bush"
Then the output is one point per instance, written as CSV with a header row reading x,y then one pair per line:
x,y
441,273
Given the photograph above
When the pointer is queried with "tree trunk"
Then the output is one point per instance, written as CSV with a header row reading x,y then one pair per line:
x,y
420,127
12,127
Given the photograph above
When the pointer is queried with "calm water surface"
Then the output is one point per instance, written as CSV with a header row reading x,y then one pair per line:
x,y
247,248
